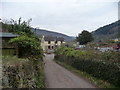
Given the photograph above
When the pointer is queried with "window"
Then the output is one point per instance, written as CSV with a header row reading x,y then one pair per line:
x,y
52,47
48,42
56,42
48,47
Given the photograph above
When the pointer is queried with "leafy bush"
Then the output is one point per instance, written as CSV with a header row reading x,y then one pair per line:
x,y
105,66
30,46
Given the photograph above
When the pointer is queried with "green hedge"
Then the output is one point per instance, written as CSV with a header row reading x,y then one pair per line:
x,y
88,62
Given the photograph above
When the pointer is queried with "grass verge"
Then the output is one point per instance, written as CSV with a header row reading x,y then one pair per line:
x,y
95,81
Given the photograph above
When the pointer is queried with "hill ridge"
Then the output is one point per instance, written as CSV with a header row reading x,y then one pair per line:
x,y
40,32
109,31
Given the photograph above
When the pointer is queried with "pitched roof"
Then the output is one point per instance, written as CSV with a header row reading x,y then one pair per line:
x,y
53,38
6,34
60,39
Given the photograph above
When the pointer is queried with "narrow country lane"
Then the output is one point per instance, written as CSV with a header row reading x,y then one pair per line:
x,y
59,77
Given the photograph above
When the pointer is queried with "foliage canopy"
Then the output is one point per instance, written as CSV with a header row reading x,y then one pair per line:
x,y
84,37
26,41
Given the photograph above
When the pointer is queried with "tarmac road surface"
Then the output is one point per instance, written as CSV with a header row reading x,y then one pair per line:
x,y
59,77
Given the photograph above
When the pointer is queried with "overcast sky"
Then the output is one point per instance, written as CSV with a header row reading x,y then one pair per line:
x,y
66,16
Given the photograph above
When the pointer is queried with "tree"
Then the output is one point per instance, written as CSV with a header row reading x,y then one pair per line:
x,y
20,26
84,37
28,43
